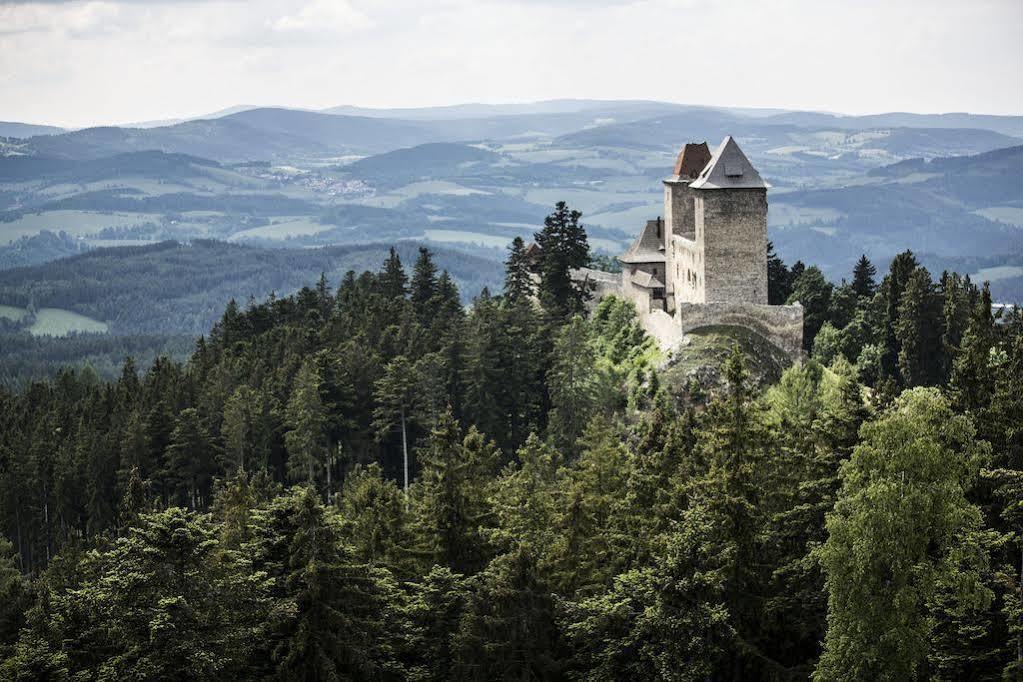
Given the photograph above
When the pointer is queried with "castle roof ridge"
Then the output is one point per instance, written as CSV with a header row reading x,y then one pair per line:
x,y
729,168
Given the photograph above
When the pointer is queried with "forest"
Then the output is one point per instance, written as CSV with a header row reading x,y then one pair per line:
x,y
369,480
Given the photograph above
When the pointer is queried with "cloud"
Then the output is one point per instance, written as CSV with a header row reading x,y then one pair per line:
x,y
323,16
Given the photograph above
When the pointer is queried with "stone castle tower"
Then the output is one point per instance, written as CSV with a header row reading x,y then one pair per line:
x,y
715,209
705,263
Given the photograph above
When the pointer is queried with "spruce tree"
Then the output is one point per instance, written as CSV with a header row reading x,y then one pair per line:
x,y
424,286
518,282
779,280
393,282
563,247
863,282
306,419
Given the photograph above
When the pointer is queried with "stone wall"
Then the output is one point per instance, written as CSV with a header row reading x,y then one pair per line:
x,y
782,325
686,275
731,229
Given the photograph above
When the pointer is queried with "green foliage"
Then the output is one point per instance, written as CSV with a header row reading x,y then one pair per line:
x,y
567,517
563,247
902,531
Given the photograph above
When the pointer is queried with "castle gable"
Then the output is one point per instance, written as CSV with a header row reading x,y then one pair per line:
x,y
649,245
692,159
729,169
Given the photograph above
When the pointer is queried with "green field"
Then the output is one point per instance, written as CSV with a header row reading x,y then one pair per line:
x,y
457,236
75,223
11,313
55,321
291,226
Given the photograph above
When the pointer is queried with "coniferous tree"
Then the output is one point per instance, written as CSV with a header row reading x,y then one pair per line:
x,y
452,507
508,631
306,420
972,378
779,279
333,614
813,292
915,330
518,281
894,284
573,384
863,282
424,285
14,596
563,247
190,460
397,397
393,281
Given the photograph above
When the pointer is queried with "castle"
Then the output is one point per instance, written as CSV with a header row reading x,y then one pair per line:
x,y
705,262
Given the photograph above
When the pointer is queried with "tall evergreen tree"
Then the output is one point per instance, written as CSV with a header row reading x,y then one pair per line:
x,y
306,437
779,279
863,281
563,247
393,281
424,285
518,282
397,398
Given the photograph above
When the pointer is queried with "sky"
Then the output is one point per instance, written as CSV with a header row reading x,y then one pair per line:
x,y
97,62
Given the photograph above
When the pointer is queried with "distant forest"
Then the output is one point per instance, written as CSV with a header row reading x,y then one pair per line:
x,y
369,480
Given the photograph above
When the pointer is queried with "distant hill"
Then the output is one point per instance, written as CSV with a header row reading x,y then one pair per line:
x,y
770,134
424,162
171,288
1007,125
961,209
224,139
153,164
24,130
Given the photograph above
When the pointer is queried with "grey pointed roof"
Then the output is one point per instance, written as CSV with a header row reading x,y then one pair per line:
x,y
648,247
729,169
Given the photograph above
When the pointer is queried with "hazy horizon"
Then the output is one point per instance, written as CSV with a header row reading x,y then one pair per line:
x,y
111,62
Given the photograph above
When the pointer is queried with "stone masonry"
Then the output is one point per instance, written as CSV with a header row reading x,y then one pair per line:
x,y
705,263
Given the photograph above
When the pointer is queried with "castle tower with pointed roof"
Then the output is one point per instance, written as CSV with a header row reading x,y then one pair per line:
x,y
706,262
717,250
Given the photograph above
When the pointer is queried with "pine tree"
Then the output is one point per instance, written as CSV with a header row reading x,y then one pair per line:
x,y
306,420
14,595
915,330
563,247
508,631
190,460
393,282
779,280
396,394
333,614
424,286
894,284
573,384
863,282
451,506
435,610
813,292
972,379
518,282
